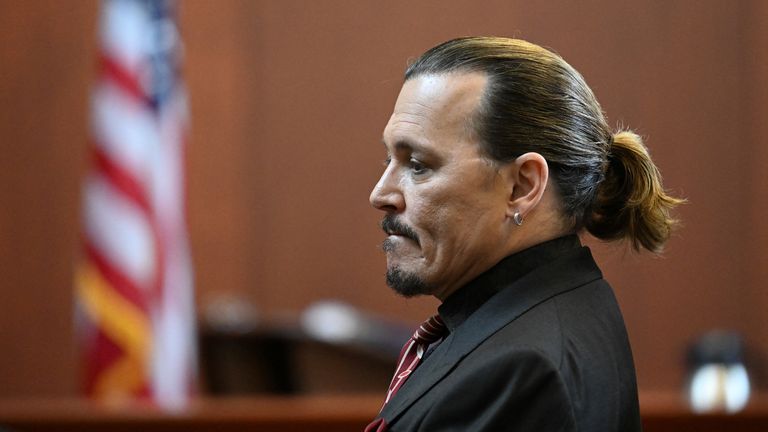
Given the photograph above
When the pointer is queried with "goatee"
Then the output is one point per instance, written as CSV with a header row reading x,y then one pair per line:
x,y
406,284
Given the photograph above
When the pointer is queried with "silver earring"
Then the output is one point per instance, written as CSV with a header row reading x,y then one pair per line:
x,y
518,218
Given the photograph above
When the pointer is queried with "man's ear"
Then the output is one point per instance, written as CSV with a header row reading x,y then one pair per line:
x,y
527,181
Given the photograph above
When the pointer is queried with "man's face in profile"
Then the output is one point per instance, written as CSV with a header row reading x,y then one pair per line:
x,y
444,202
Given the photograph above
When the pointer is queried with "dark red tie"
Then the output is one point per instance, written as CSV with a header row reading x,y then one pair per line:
x,y
428,333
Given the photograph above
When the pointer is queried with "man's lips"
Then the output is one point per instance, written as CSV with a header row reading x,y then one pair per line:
x,y
395,236
390,243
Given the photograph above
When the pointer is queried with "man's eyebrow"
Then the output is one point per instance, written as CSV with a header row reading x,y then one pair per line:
x,y
404,145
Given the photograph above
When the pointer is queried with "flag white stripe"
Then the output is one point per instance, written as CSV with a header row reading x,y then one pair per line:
x,y
119,230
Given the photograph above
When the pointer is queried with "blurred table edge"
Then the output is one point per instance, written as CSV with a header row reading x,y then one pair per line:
x,y
257,413
661,411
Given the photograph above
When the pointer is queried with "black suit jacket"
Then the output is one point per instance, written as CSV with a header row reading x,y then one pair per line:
x,y
549,352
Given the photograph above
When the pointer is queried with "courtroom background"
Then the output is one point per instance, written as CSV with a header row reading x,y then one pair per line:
x,y
288,101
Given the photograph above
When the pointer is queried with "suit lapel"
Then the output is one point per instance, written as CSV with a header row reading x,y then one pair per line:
x,y
569,272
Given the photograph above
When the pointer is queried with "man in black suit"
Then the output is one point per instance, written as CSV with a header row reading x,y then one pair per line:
x,y
498,156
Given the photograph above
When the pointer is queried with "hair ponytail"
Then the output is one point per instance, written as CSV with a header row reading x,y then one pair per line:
x,y
631,202
536,102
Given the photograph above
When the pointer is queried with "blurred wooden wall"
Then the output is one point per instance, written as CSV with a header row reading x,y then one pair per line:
x,y
288,102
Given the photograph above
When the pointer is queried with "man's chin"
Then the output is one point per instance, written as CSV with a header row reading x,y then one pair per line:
x,y
406,284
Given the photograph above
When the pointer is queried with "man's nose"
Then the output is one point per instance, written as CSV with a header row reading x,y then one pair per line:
x,y
387,195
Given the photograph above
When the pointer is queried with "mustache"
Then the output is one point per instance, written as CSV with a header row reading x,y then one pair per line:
x,y
391,225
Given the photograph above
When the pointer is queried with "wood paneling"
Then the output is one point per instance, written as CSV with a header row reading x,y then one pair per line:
x,y
288,101
46,61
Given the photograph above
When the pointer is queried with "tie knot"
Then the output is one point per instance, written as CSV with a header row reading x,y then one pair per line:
x,y
430,331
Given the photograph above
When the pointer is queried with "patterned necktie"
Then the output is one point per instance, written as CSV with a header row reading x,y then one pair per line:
x,y
428,333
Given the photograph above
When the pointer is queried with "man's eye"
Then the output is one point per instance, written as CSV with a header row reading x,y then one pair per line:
x,y
417,167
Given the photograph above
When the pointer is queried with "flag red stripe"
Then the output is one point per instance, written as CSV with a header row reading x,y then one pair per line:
x,y
122,77
100,353
121,179
116,279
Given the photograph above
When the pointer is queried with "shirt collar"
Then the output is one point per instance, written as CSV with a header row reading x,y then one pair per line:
x,y
467,299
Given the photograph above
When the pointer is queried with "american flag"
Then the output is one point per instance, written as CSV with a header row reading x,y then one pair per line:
x,y
134,283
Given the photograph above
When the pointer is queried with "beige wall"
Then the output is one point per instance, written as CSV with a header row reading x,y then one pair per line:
x,y
288,101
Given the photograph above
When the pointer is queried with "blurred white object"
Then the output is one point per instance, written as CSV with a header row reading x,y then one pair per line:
x,y
719,379
333,321
716,387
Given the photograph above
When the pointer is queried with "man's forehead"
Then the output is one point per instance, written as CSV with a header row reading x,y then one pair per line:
x,y
441,92
435,103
